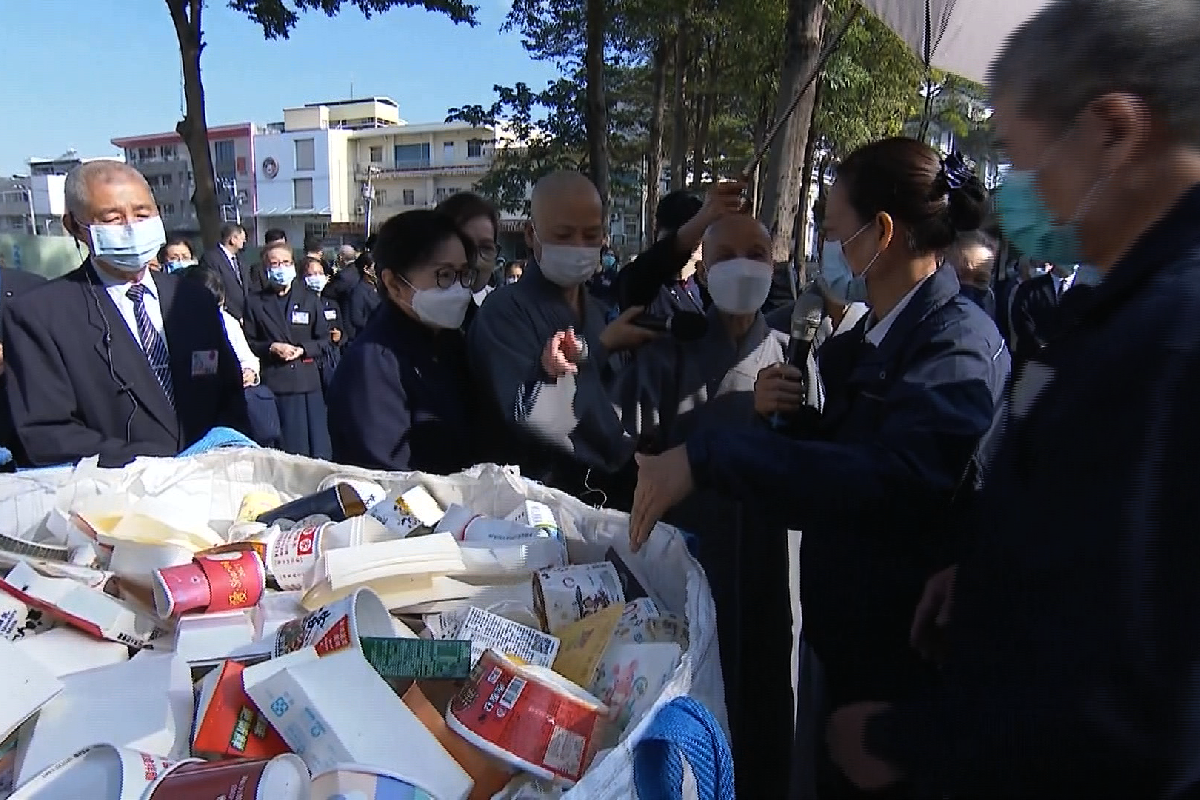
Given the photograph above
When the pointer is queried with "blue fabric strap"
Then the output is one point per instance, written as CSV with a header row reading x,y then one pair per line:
x,y
683,729
216,438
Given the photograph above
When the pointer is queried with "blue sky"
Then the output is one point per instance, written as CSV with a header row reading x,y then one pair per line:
x,y
80,73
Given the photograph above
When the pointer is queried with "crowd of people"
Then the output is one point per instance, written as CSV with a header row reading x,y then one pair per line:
x,y
970,629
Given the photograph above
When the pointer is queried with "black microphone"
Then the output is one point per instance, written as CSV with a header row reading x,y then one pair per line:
x,y
806,320
686,326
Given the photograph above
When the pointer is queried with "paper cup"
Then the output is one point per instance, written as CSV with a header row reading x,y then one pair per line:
x,y
210,583
281,778
568,594
126,774
370,492
135,562
337,626
292,554
349,781
529,717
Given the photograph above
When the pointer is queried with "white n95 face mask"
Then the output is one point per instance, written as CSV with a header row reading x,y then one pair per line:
x,y
442,308
739,285
128,248
569,265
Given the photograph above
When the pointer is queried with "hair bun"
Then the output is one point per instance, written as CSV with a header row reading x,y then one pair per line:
x,y
965,194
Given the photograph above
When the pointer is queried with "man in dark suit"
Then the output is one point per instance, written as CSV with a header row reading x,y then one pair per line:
x,y
13,282
223,260
1034,310
112,359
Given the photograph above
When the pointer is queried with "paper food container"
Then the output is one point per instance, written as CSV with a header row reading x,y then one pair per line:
x,y
408,511
18,621
631,676
28,685
281,778
135,562
89,610
347,781
204,637
485,630
65,651
144,704
529,717
568,594
98,772
370,492
584,643
210,583
228,724
336,626
336,710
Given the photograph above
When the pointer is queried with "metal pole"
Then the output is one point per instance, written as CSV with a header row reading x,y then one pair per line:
x,y
29,199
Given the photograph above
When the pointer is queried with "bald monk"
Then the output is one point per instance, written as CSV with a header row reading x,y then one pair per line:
x,y
113,360
670,389
506,339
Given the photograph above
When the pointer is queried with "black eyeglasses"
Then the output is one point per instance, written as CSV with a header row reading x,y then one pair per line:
x,y
447,277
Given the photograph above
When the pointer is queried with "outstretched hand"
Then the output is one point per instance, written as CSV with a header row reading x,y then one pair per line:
x,y
663,482
562,354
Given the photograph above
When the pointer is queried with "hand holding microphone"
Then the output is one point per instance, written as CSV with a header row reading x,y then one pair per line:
x,y
778,389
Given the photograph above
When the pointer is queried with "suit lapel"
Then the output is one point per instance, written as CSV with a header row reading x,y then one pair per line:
x,y
125,355
276,316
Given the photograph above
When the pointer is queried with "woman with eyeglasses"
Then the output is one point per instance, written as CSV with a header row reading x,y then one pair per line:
x,y
479,220
400,399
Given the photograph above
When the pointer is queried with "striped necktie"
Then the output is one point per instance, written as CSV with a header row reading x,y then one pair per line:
x,y
153,342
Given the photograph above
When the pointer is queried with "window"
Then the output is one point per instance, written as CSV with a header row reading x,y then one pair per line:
x,y
145,154
381,197
410,197
302,193
166,179
166,152
377,154
241,165
306,156
409,156
168,209
475,148
631,226
448,152
223,151
151,181
319,230
441,193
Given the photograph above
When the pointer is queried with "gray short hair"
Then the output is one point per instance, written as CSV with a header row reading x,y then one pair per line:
x,y
1076,50
77,187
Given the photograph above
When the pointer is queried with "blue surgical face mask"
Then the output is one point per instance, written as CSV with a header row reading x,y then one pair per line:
x,y
608,260
178,266
282,276
316,282
1030,224
128,248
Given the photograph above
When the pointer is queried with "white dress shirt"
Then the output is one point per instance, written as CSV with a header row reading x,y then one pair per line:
x,y
876,331
237,340
117,291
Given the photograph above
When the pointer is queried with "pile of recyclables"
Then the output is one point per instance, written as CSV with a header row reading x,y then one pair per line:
x,y
246,624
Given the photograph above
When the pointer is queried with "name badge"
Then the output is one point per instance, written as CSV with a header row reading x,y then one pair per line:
x,y
204,362
330,314
299,317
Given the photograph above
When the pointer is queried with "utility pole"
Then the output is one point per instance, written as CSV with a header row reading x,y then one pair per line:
x,y
368,194
28,190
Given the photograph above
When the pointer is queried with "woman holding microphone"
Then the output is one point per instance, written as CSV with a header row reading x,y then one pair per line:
x,y
909,393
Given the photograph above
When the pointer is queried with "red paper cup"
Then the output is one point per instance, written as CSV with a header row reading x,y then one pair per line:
x,y
281,778
211,583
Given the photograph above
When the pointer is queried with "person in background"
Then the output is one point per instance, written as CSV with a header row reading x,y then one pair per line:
x,y
286,328
176,255
112,360
316,279
1034,308
603,285
274,235
353,292
399,400
223,260
345,257
513,272
260,402
480,221
973,256
257,274
871,480
510,332
312,249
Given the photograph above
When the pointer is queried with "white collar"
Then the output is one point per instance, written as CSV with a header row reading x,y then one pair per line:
x,y
878,330
110,282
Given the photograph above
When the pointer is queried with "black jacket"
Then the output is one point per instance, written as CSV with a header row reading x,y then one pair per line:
x,y
13,282
401,399
1074,643
297,318
79,383
236,280
1034,309
356,299
872,483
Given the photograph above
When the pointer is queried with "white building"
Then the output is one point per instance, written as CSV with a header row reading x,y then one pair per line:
x,y
303,182
33,203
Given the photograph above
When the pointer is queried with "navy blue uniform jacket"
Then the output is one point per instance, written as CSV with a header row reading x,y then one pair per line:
x,y
1074,661
299,321
871,485
80,385
401,398
356,300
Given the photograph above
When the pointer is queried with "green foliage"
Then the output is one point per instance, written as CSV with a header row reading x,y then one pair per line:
x,y
870,87
277,17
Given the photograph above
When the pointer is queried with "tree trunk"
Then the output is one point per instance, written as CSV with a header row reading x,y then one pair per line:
x,y
781,195
654,148
679,115
761,125
596,120
806,172
702,137
697,160
193,128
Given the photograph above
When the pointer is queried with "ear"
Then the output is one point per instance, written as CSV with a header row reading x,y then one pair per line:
x,y
529,237
1123,129
73,228
887,229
